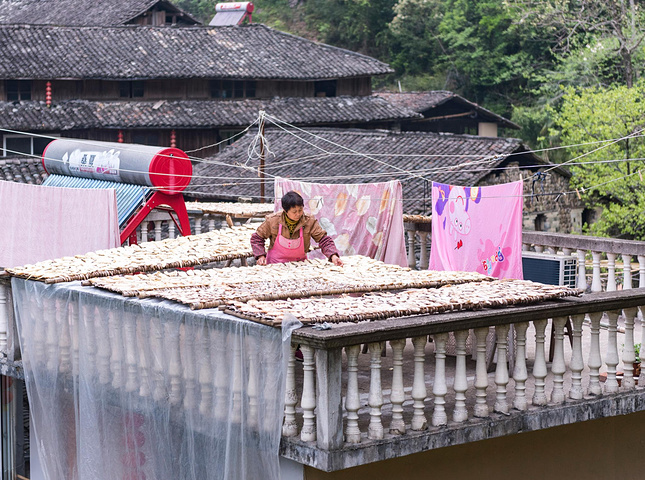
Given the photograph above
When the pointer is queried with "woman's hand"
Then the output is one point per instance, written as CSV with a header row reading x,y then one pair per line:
x,y
335,259
261,260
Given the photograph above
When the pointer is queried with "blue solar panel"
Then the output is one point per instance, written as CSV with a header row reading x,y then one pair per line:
x,y
128,197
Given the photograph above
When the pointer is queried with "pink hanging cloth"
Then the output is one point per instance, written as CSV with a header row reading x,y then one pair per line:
x,y
362,219
477,229
43,223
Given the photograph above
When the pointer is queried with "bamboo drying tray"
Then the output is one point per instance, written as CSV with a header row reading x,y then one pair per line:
x,y
218,245
381,305
214,287
416,219
236,210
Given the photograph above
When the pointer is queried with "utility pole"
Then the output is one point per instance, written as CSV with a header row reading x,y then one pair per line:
x,y
261,171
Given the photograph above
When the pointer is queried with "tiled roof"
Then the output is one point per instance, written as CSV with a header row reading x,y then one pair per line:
x,y
328,155
79,114
423,102
79,12
22,170
135,52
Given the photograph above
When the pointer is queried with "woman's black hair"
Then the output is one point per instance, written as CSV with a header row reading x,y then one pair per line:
x,y
292,199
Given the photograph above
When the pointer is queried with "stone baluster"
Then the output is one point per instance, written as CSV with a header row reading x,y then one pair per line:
x,y
520,373
74,332
352,399
329,421
289,427
611,272
419,391
171,229
611,385
211,223
51,335
539,366
205,372
566,251
629,354
596,284
397,396
439,389
559,367
222,363
460,413
157,355
189,346
116,348
252,387
198,225
103,341
171,344
5,315
158,224
143,349
627,271
423,240
236,400
144,231
641,271
501,371
577,360
539,248
130,334
550,250
641,379
90,318
375,429
526,247
582,270
308,400
481,375
412,259
65,340
595,358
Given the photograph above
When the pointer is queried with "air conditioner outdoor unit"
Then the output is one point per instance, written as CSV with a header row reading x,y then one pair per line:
x,y
550,268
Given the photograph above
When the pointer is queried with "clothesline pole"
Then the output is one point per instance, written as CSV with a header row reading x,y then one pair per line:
x,y
262,200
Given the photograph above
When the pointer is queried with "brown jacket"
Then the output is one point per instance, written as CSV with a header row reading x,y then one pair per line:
x,y
310,229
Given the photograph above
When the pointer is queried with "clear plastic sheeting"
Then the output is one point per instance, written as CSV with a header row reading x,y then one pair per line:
x,y
134,389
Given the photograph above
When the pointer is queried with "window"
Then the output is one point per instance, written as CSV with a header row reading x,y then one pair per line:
x,y
146,138
325,88
227,137
23,144
232,88
131,89
18,90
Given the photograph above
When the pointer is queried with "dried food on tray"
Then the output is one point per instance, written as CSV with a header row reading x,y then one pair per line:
x,y
239,210
379,305
214,246
280,281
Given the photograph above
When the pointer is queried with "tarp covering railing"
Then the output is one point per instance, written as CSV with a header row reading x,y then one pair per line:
x,y
144,389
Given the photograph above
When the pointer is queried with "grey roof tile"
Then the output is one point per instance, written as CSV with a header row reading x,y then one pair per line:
x,y
424,102
22,170
80,114
135,52
329,155
80,12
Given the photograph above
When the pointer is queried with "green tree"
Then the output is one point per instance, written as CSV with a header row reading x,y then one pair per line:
x,y
608,173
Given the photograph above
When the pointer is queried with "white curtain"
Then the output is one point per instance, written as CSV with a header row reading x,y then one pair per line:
x,y
145,389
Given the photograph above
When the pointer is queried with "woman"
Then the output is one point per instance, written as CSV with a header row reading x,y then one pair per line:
x,y
290,232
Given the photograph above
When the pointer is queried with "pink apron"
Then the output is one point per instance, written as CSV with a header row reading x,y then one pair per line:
x,y
285,250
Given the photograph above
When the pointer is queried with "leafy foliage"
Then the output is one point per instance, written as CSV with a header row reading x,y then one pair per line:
x,y
608,173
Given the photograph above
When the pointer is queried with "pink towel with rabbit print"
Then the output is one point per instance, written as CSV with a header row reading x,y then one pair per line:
x,y
477,229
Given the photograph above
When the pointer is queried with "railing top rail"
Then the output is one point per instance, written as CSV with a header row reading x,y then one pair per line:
x,y
419,325
584,242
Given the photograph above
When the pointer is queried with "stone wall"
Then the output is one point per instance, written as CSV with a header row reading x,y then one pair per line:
x,y
542,204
